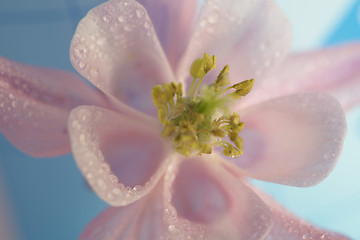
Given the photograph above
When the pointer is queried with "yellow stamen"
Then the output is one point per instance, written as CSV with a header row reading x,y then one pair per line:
x,y
200,120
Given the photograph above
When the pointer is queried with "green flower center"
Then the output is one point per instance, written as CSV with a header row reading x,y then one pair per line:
x,y
201,120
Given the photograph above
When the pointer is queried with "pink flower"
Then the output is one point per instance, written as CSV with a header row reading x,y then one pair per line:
x,y
293,135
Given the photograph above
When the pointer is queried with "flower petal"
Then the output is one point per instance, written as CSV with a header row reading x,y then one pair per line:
x,y
35,104
334,70
142,220
173,22
210,203
115,47
288,226
294,140
250,35
121,157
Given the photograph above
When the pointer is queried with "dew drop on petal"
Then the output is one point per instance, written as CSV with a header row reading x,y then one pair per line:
x,y
121,19
138,188
101,41
106,18
139,13
213,18
82,139
81,65
128,28
147,25
117,191
173,229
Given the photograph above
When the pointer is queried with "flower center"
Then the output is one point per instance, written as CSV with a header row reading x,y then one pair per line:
x,y
201,119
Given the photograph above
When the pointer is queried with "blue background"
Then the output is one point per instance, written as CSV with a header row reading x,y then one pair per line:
x,y
50,199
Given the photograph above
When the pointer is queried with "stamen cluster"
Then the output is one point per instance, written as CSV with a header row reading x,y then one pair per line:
x,y
200,120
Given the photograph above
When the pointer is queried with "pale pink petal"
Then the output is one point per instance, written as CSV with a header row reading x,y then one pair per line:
x,y
209,202
173,22
142,220
289,227
334,70
35,104
294,140
116,48
121,157
250,35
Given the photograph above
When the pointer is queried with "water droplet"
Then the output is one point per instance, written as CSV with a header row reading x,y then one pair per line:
x,y
110,196
173,229
139,13
11,96
89,176
105,167
147,25
117,191
106,18
202,23
80,51
213,18
121,19
101,184
113,179
82,139
101,41
138,188
128,28
81,65
75,124
93,72
304,236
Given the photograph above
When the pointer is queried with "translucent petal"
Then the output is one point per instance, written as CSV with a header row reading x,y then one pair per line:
x,y
122,157
116,48
250,35
173,22
334,70
208,202
288,226
294,140
142,220
35,104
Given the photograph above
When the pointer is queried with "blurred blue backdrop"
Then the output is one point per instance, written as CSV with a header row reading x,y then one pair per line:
x,y
50,199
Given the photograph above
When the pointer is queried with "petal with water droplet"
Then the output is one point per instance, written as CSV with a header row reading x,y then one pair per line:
x,y
122,157
294,140
34,106
288,226
334,70
141,220
250,35
113,50
173,26
211,203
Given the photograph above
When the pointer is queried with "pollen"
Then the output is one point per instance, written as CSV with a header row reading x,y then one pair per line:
x,y
200,120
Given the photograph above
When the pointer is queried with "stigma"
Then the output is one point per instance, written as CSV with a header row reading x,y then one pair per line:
x,y
199,120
